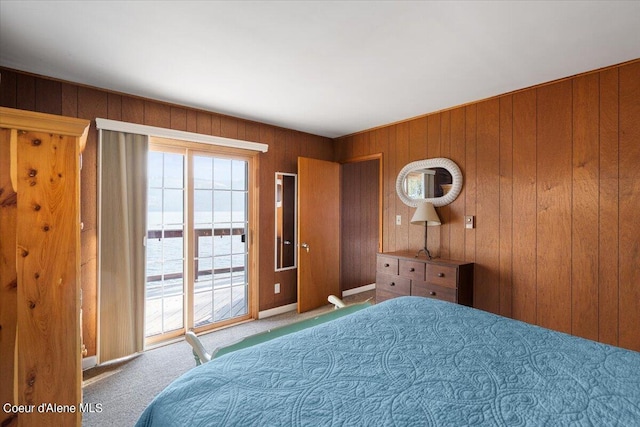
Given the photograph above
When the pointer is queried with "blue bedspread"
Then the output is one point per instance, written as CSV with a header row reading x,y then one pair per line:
x,y
410,361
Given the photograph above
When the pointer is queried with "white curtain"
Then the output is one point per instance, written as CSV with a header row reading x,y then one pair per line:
x,y
123,207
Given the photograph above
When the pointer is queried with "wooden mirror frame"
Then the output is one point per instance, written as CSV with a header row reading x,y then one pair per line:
x,y
437,162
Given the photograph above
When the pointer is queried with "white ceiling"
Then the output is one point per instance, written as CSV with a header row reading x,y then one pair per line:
x,y
326,67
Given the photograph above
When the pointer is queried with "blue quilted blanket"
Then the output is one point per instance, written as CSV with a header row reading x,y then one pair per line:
x,y
410,361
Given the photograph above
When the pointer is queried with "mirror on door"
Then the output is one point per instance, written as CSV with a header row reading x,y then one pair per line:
x,y
285,242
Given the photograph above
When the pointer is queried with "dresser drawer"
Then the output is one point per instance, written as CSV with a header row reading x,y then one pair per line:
x,y
425,289
401,273
387,265
411,269
394,284
442,275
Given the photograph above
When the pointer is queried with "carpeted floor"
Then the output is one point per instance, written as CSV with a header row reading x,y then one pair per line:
x,y
123,389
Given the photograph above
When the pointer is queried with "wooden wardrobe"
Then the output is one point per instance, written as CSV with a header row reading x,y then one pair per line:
x,y
40,342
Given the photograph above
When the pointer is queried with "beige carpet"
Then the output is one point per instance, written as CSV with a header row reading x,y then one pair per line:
x,y
124,389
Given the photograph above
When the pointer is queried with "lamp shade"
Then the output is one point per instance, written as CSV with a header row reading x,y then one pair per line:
x,y
425,214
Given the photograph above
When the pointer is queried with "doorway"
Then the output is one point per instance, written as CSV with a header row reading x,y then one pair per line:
x,y
361,221
340,225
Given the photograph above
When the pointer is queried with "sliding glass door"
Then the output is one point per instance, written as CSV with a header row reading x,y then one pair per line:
x,y
197,250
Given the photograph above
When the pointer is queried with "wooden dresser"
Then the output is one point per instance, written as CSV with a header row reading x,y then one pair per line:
x,y
402,273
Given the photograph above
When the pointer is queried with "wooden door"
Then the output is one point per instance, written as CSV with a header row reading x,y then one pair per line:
x,y
319,232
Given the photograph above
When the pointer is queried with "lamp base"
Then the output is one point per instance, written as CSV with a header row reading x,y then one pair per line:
x,y
426,252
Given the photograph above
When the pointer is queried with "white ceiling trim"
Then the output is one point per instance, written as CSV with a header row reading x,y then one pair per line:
x,y
114,125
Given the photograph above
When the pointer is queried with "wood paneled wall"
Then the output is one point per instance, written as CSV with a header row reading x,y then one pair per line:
x,y
552,174
35,93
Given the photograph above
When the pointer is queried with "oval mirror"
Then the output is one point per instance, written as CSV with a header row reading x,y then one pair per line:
x,y
437,180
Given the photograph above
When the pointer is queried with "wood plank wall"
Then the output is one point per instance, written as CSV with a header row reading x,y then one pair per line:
x,y
552,174
35,93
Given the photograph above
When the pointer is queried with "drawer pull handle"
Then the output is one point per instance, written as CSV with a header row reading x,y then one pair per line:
x,y
412,269
440,274
432,293
392,284
386,265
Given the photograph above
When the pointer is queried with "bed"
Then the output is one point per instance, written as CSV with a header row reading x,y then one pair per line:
x,y
410,361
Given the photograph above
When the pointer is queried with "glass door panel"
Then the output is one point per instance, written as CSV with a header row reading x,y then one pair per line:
x,y
220,255
165,286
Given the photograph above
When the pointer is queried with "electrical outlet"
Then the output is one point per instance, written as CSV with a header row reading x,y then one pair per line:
x,y
276,288
398,219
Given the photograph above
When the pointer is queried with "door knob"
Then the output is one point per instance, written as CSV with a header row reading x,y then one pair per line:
x,y
305,246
